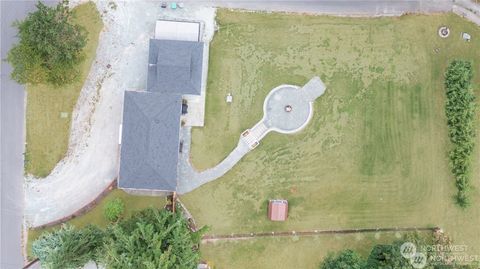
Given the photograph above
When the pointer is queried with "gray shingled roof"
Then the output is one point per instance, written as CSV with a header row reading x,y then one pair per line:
x,y
175,66
150,141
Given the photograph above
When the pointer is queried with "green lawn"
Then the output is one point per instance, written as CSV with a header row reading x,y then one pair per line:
x,y
375,152
96,217
47,131
289,252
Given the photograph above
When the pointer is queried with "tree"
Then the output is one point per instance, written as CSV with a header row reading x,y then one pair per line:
x,y
50,46
114,209
387,257
152,239
68,247
347,259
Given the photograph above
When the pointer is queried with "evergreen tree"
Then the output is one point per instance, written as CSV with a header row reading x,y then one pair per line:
x,y
152,239
68,247
50,46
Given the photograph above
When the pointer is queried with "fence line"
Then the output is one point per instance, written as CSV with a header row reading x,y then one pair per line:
x,y
234,236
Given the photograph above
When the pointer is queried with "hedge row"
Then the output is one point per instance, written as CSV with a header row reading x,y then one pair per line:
x,y
460,111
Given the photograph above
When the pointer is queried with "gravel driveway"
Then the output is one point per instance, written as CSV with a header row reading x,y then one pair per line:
x,y
92,159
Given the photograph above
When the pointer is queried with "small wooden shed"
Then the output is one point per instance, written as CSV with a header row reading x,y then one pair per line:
x,y
277,210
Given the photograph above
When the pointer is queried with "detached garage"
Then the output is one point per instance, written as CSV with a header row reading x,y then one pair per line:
x,y
177,30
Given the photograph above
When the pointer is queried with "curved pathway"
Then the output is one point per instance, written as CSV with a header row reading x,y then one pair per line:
x,y
287,109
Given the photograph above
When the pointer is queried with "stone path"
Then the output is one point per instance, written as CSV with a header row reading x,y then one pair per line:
x,y
287,109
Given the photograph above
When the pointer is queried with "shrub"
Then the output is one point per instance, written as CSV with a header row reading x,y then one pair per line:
x,y
68,247
50,46
460,111
347,259
462,199
114,209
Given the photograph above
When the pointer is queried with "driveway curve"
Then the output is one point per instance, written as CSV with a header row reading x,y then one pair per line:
x,y
91,163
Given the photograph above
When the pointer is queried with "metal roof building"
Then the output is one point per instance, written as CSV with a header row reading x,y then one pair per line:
x,y
151,119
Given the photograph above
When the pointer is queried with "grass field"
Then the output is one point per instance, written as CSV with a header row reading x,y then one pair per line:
x,y
291,252
96,217
375,152
47,131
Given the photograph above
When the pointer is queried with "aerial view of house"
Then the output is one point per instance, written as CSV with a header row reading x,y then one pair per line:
x,y
150,136
240,134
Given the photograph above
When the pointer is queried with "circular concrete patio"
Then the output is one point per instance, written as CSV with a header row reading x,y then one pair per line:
x,y
286,110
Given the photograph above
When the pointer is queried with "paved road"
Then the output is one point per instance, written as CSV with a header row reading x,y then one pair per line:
x,y
343,7
468,10
12,139
12,143
468,4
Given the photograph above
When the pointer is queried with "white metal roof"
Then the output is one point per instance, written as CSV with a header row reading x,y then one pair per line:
x,y
177,30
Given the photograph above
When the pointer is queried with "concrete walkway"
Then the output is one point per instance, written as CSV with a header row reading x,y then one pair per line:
x,y
287,109
189,178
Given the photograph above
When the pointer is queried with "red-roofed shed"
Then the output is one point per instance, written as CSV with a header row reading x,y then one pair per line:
x,y
278,210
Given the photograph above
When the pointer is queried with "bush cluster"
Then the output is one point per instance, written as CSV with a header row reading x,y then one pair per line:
x,y
460,111
389,256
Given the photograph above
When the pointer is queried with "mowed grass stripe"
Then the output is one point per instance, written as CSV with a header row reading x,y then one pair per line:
x,y
375,152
